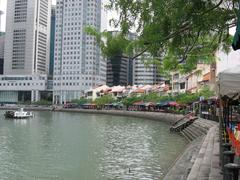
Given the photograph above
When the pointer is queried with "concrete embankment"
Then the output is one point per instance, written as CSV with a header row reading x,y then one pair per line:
x,y
164,117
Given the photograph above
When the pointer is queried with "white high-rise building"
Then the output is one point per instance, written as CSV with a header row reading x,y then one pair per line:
x,y
27,37
26,51
78,64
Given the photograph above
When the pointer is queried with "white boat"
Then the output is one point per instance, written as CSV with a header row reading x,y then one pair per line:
x,y
18,114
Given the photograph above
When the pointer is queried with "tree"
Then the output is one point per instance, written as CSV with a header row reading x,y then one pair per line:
x,y
128,101
187,98
206,92
151,97
178,33
101,101
80,101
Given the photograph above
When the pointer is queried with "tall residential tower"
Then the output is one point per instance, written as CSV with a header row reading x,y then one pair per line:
x,y
78,64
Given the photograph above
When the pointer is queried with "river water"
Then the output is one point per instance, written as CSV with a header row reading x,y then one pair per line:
x,y
74,146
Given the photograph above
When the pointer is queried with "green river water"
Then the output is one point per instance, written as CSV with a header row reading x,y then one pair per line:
x,y
74,146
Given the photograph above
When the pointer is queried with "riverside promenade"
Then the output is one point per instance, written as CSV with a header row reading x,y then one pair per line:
x,y
200,160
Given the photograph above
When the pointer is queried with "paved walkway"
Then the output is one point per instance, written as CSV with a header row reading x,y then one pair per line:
x,y
206,165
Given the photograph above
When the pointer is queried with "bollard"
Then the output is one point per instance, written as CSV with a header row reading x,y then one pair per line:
x,y
224,147
228,157
231,171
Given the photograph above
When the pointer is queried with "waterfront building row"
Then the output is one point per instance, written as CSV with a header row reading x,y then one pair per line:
x,y
119,92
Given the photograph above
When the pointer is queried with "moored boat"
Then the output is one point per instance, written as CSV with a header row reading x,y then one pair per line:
x,y
20,114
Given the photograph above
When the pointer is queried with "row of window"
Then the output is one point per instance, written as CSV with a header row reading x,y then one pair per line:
x,y
21,84
19,78
74,84
77,72
20,14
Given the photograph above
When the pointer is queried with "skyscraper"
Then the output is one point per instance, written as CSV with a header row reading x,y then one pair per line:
x,y
27,34
117,71
117,67
78,64
26,51
144,73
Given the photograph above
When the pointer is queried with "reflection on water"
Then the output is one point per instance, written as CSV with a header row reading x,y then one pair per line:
x,y
21,121
79,146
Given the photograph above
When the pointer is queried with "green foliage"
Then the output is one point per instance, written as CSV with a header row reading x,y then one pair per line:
x,y
107,99
167,98
188,98
128,101
80,101
206,92
151,97
185,98
111,44
181,32
155,97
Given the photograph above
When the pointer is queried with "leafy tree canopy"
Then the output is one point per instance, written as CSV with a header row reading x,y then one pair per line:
x,y
111,44
128,101
80,101
187,98
107,99
178,33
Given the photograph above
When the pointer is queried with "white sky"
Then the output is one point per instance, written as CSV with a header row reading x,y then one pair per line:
x,y
3,4
105,18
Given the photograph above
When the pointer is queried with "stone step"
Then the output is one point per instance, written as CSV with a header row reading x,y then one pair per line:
x,y
196,130
203,123
191,132
186,135
178,126
200,128
207,122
